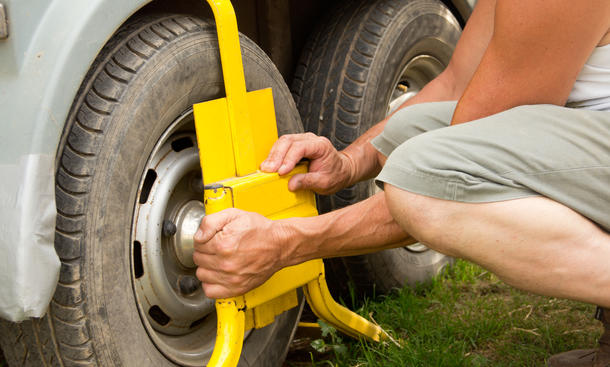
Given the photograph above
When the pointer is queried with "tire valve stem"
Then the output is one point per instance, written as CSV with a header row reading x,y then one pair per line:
x,y
169,228
188,284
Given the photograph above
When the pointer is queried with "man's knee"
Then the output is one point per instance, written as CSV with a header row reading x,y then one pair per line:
x,y
423,217
426,156
417,119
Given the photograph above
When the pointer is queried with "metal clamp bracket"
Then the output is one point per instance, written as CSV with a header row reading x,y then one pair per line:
x,y
234,135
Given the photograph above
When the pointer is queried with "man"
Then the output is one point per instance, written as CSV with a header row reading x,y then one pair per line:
x,y
517,184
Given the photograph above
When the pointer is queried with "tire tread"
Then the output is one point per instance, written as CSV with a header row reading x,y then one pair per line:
x,y
330,86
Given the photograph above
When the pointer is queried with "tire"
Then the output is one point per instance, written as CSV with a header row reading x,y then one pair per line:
x,y
130,132
360,60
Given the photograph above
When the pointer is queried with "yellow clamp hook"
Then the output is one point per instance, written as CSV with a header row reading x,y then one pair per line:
x,y
234,135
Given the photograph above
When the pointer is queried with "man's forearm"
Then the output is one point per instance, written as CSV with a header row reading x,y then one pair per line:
x,y
448,86
366,161
357,229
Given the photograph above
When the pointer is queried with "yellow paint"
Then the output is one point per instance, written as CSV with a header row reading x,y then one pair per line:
x,y
215,145
230,334
217,151
235,86
234,135
324,306
313,325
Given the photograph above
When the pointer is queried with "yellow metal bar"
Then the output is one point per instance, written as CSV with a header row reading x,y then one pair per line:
x,y
216,144
235,86
313,325
229,334
230,151
217,199
324,306
283,281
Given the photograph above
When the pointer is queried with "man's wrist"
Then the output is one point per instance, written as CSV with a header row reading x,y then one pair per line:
x,y
287,240
296,243
349,168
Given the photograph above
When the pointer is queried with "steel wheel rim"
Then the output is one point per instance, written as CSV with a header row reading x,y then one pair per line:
x,y
177,316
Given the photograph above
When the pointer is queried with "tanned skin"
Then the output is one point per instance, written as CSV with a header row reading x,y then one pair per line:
x,y
511,53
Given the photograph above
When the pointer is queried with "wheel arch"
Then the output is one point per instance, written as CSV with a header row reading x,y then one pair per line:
x,y
51,47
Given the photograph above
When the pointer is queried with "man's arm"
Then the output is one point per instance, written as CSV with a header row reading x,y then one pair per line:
x,y
360,160
236,251
534,56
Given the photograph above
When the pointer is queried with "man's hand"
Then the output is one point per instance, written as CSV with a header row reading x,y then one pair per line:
x,y
329,170
236,251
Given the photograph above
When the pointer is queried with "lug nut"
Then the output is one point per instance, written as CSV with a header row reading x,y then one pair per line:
x,y
188,284
169,228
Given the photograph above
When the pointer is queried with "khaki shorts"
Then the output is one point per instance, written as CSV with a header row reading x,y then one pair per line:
x,y
557,152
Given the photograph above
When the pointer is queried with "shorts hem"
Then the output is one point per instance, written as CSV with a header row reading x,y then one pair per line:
x,y
448,189
384,145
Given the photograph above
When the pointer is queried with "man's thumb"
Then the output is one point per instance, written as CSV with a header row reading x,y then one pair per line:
x,y
214,223
304,181
296,182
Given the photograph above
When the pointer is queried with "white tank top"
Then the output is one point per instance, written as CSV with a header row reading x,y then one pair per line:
x,y
592,87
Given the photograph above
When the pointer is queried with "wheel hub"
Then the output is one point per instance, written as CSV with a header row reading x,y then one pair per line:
x,y
187,222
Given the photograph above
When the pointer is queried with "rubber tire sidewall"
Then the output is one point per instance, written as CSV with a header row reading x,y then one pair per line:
x,y
418,26
395,268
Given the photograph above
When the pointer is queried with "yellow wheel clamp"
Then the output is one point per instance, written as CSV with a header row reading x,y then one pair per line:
x,y
235,135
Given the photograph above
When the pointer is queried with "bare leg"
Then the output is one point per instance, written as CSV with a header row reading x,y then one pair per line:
x,y
535,244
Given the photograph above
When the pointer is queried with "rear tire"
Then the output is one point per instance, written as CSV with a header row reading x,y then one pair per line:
x,y
136,100
359,60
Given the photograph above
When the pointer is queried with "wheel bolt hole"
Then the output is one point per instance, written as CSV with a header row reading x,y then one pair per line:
x,y
158,315
149,180
197,322
138,268
182,143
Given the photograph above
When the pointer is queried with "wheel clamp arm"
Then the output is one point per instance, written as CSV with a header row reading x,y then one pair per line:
x,y
234,136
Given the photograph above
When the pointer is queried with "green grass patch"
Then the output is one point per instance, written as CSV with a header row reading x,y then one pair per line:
x,y
464,317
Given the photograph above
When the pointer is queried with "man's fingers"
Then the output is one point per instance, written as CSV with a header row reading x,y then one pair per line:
x,y
212,224
310,181
290,149
297,151
213,276
217,291
277,153
295,182
218,285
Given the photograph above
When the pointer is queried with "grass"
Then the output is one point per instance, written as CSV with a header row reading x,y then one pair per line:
x,y
465,317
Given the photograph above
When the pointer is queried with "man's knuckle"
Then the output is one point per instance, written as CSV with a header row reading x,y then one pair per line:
x,y
228,267
197,258
231,211
286,138
224,250
236,281
200,274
